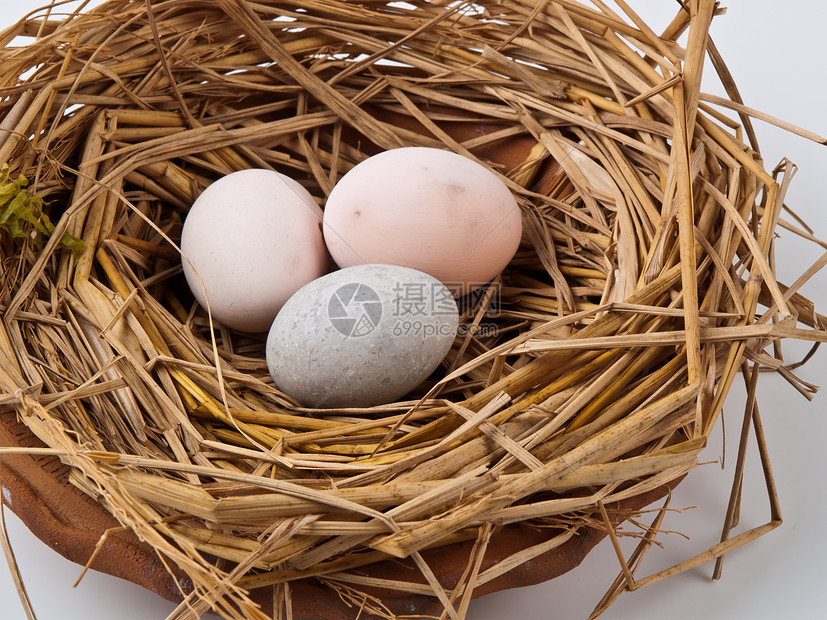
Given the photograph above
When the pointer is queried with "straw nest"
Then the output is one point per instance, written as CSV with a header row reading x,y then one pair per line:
x,y
643,285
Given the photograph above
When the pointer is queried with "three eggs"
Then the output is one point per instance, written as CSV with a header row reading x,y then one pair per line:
x,y
417,226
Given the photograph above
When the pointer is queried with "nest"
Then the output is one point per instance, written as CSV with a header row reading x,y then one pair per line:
x,y
584,382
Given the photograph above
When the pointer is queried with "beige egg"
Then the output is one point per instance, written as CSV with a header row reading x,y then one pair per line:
x,y
426,209
251,240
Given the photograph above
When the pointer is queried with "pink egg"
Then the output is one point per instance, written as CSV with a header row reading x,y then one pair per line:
x,y
426,209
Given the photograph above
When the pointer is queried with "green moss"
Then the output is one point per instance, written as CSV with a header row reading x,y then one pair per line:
x,y
21,212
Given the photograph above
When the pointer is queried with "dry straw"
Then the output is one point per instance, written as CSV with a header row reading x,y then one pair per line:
x,y
643,286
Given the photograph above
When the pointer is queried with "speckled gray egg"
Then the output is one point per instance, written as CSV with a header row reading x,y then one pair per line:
x,y
361,336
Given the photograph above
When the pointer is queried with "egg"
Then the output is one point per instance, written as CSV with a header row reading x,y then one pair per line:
x,y
253,238
361,336
427,209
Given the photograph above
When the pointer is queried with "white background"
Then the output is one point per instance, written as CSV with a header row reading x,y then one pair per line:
x,y
777,57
